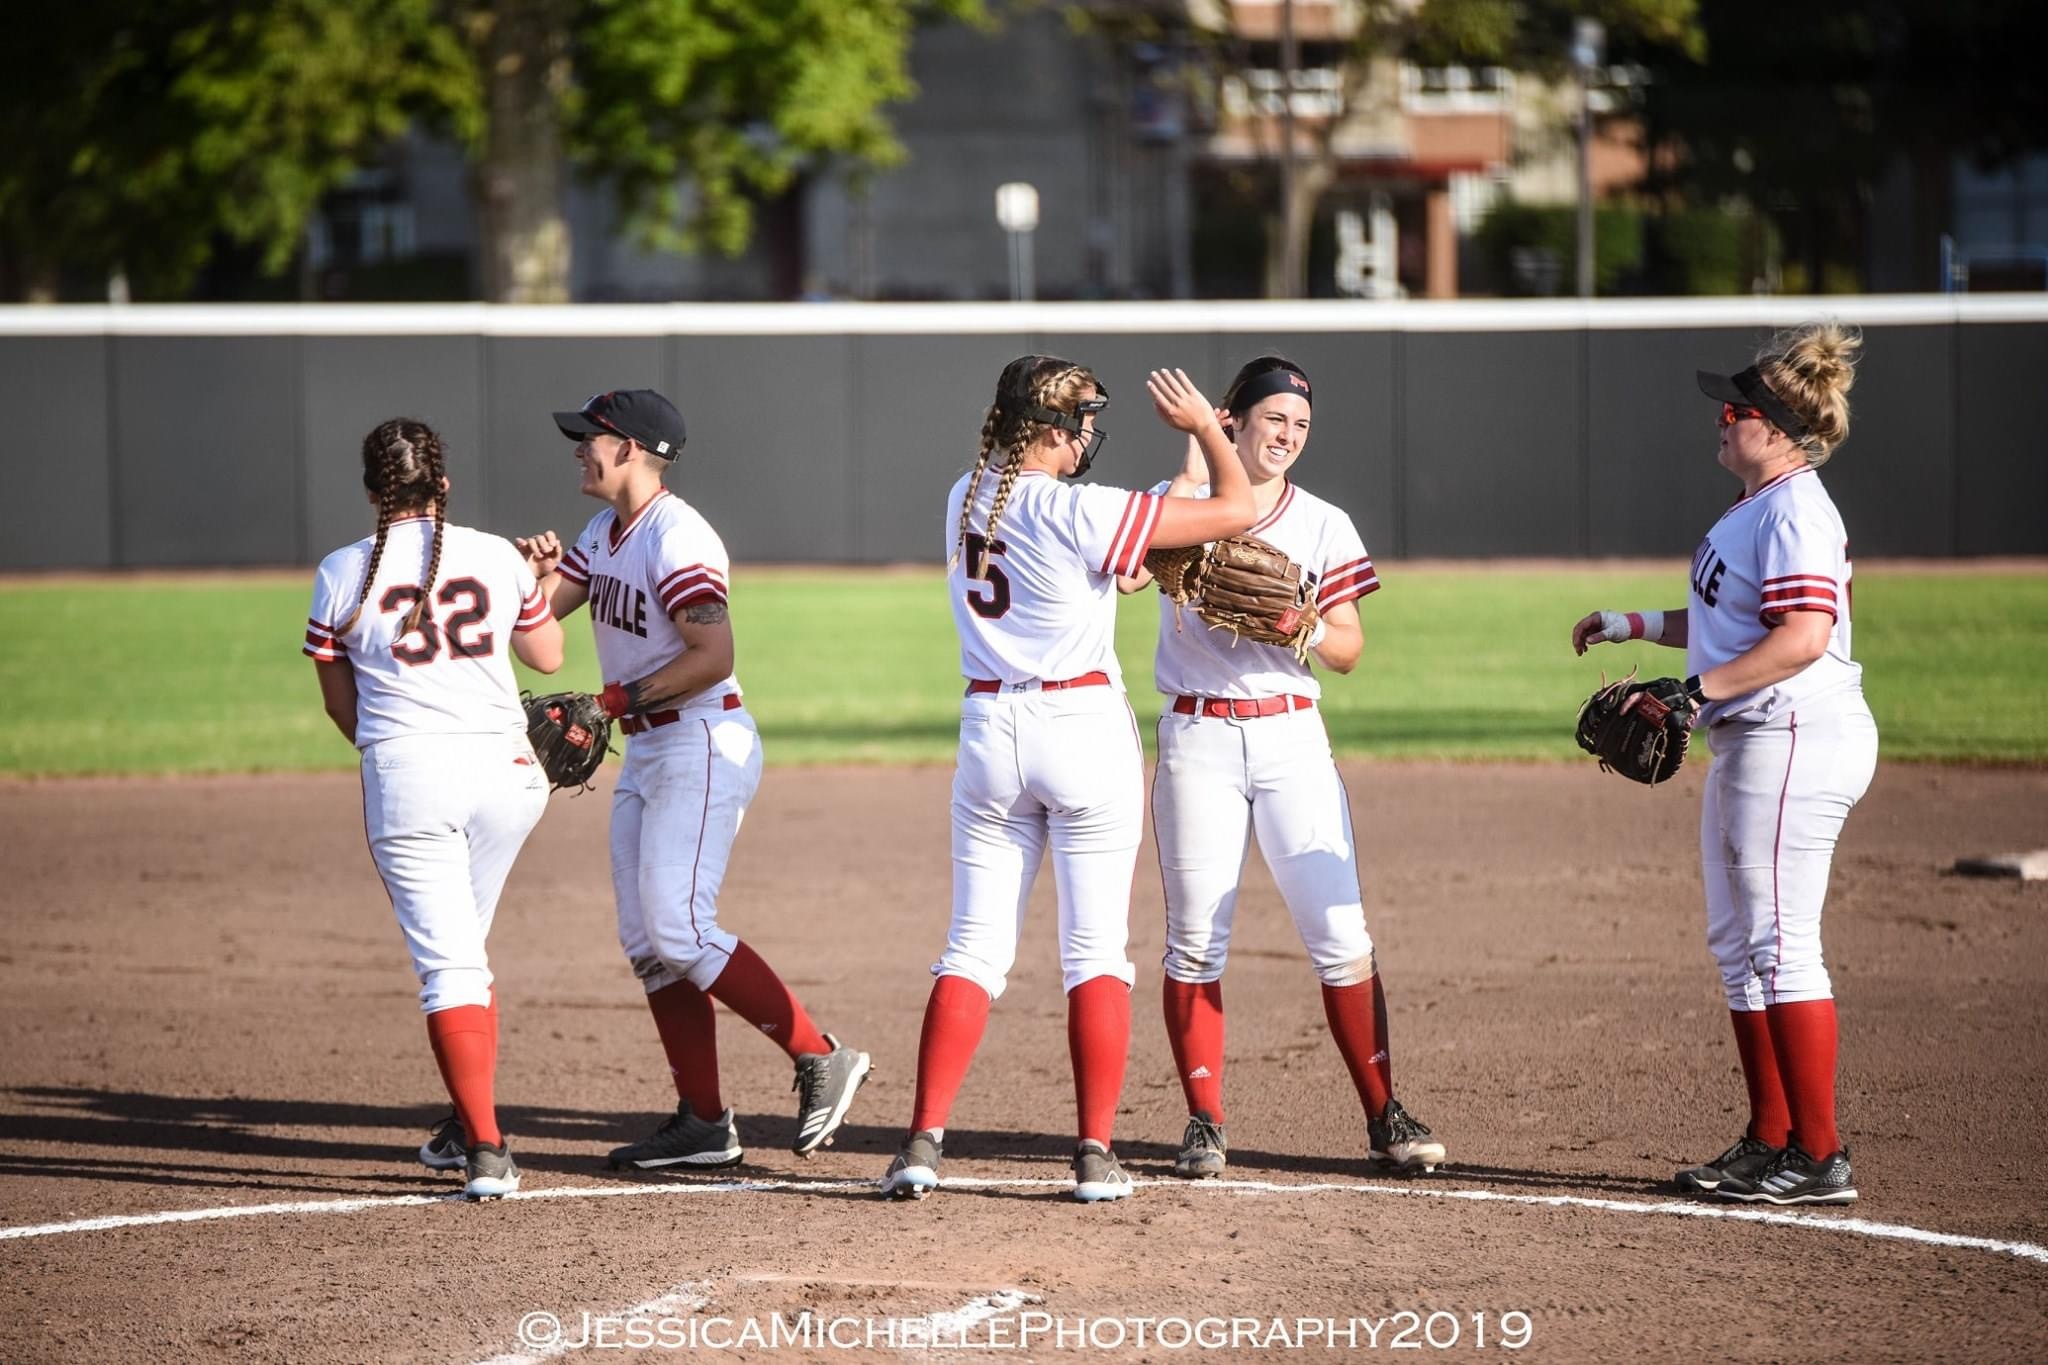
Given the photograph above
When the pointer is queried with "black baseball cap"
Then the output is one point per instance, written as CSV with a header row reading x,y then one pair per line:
x,y
638,414
1747,389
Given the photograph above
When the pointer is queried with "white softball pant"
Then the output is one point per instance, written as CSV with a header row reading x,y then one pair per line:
x,y
446,816
1039,769
1221,778
1776,797
681,796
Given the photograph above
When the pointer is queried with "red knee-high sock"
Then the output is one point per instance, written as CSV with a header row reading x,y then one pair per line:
x,y
750,988
954,1018
1099,1039
1803,1035
464,1049
689,1037
492,1010
1194,1026
1358,1021
1769,1118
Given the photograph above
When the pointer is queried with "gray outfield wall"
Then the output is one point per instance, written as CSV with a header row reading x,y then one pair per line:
x,y
146,437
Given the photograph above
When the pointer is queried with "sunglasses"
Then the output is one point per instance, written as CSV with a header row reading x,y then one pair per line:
x,y
1731,414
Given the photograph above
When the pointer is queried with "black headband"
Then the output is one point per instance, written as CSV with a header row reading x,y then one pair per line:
x,y
1263,386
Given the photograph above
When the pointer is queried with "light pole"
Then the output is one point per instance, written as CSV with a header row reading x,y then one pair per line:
x,y
1290,57
1017,212
1588,40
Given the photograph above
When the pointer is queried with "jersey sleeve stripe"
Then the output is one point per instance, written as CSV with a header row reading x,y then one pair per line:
x,y
534,614
692,590
1342,587
1356,589
321,645
1772,611
1772,596
1117,540
1127,554
704,571
574,569
1799,578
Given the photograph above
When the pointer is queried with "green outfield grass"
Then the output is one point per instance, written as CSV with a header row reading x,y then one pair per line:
x,y
140,676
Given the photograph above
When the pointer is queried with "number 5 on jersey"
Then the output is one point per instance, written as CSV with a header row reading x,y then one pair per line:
x,y
980,570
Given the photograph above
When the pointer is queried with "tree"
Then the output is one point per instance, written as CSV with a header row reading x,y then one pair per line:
x,y
147,133
1526,35
1801,110
138,136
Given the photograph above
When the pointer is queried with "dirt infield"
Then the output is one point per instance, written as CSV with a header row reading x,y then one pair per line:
x,y
204,1005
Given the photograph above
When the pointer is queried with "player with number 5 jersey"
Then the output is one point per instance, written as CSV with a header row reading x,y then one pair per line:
x,y
412,632
1049,755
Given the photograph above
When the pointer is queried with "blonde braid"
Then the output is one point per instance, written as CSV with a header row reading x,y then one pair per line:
x,y
988,446
1013,461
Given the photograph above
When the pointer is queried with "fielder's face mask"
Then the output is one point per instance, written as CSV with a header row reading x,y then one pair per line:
x,y
1072,421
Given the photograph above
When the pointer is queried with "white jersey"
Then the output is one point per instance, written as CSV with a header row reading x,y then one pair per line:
x,y
1045,607
1194,661
453,676
1781,549
639,575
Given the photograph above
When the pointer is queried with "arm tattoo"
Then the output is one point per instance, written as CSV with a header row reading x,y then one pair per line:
x,y
704,613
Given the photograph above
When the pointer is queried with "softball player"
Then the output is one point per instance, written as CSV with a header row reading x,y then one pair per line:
x,y
407,633
654,576
1049,753
1766,635
1243,748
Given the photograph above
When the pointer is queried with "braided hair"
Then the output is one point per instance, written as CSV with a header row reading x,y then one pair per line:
x,y
403,465
1028,382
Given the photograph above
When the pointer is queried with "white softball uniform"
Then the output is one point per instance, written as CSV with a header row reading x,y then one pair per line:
x,y
1790,760
1049,753
451,788
690,771
1242,749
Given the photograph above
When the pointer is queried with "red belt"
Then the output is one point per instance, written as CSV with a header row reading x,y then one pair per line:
x,y
1096,679
1241,708
654,720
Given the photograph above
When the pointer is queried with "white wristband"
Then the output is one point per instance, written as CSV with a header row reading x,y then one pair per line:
x,y
1618,626
1319,634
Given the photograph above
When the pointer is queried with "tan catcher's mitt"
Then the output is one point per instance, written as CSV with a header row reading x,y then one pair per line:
x,y
570,734
1638,729
1242,585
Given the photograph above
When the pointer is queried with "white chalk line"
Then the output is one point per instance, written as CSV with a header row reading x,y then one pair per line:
x,y
1863,1227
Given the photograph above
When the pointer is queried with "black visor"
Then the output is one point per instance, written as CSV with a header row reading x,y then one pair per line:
x,y
1747,389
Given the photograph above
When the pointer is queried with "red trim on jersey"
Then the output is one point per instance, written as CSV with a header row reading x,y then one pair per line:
x,y
1133,535
617,534
574,568
533,614
1768,617
1286,497
1347,581
695,572
688,587
1789,474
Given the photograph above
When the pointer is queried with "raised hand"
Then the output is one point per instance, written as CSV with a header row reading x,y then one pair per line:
x,y
1178,402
